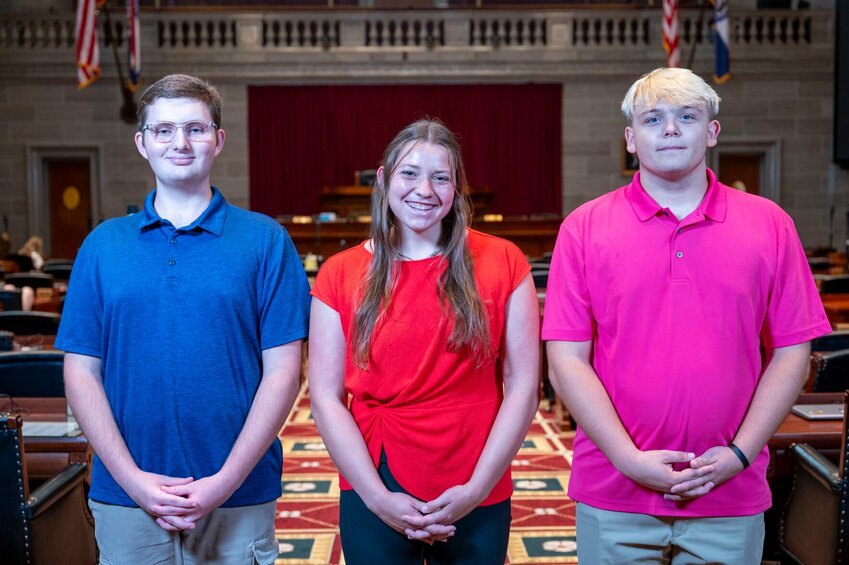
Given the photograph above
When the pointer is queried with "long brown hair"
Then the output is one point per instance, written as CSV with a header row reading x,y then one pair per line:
x,y
456,286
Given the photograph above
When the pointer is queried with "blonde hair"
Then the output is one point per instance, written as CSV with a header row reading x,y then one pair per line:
x,y
679,87
33,244
457,288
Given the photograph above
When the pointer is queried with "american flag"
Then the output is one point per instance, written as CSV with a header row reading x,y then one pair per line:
x,y
670,33
135,44
88,51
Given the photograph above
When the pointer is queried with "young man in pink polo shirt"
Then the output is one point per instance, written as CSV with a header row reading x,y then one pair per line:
x,y
678,314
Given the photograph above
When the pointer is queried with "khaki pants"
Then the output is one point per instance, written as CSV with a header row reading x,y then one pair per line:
x,y
623,537
227,536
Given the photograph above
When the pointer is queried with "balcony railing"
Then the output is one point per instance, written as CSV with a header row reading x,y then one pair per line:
x,y
456,29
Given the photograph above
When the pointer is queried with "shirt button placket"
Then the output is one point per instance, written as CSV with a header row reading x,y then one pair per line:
x,y
172,241
678,255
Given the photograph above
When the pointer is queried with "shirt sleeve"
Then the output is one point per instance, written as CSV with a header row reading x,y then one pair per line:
x,y
518,266
284,300
81,325
795,313
568,310
325,286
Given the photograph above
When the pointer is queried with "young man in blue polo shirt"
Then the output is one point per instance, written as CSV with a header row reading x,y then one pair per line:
x,y
183,326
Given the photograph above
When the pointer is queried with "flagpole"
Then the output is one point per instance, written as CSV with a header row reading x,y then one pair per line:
x,y
696,43
128,108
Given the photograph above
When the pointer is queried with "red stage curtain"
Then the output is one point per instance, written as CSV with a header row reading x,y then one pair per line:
x,y
302,138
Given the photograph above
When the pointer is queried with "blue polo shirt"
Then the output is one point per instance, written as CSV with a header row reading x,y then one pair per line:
x,y
179,319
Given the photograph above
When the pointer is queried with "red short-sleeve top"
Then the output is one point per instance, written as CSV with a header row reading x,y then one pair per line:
x,y
428,408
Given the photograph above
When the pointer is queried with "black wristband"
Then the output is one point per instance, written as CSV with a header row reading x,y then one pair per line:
x,y
739,453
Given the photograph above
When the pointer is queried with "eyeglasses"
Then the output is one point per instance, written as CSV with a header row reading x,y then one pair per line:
x,y
164,132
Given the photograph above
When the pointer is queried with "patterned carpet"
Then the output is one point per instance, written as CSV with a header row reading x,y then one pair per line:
x,y
543,529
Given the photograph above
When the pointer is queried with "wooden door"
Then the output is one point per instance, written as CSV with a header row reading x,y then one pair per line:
x,y
69,182
741,171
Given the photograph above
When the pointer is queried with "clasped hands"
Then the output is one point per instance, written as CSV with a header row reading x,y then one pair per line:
x,y
654,469
426,521
177,503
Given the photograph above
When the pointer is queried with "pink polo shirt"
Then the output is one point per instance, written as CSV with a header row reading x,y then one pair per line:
x,y
678,312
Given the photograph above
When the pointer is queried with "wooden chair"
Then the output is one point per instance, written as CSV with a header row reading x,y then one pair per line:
x,y
29,323
813,528
51,524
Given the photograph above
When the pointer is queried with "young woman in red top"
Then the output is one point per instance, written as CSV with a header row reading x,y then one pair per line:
x,y
431,329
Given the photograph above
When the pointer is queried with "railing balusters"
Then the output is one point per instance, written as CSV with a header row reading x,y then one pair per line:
x,y
426,30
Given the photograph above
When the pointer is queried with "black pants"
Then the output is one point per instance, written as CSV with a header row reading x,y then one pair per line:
x,y
480,539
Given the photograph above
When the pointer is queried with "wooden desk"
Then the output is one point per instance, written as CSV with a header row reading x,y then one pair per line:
x,y
46,456
47,303
824,435
34,342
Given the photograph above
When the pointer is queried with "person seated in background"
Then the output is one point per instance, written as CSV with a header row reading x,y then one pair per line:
x,y
432,328
678,313
32,249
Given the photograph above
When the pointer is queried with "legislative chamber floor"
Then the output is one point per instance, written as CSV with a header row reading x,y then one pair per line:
x,y
543,528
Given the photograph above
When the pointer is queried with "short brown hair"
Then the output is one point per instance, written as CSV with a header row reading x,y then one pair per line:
x,y
181,86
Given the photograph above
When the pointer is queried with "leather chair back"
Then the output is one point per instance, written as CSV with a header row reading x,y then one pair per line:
x,y
32,280
24,262
835,285
835,341
13,492
32,374
831,371
29,323
540,277
11,299
60,272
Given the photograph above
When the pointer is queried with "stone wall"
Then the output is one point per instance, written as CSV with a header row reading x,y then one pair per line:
x,y
796,114
781,91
